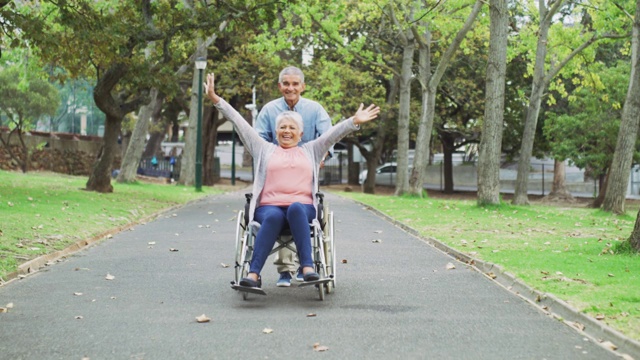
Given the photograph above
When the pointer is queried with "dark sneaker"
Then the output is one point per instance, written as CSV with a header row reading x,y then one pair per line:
x,y
299,276
285,279
248,282
311,276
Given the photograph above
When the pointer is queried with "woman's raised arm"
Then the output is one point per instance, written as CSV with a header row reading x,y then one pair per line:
x,y
210,88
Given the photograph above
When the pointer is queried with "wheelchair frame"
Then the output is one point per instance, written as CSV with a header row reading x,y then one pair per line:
x,y
321,235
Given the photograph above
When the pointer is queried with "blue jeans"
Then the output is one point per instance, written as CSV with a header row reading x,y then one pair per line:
x,y
272,220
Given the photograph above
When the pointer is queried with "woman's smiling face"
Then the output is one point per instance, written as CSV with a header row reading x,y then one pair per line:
x,y
288,133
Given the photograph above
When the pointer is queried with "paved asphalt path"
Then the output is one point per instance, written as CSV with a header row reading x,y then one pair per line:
x,y
395,299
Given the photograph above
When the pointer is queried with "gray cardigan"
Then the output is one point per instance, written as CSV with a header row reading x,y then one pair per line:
x,y
261,150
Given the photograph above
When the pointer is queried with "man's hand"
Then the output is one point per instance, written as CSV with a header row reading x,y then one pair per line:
x,y
364,115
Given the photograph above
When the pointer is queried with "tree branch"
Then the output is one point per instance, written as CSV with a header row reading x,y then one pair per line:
x,y
555,70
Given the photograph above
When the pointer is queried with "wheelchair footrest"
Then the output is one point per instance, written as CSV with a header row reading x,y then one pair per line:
x,y
252,290
315,282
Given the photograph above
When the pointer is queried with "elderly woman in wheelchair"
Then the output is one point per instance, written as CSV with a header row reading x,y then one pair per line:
x,y
286,179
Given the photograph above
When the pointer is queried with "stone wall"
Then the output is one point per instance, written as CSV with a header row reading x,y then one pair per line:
x,y
61,153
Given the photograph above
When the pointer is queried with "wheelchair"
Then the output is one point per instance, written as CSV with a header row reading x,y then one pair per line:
x,y
321,235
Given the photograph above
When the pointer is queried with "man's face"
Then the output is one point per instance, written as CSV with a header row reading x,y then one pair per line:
x,y
291,87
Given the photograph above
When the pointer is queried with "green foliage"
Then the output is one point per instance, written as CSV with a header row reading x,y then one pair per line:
x,y
24,97
586,132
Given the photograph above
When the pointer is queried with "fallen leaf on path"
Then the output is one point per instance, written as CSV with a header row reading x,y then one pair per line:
x,y
267,331
79,317
491,275
151,243
311,315
224,265
376,241
318,347
202,318
77,293
378,232
450,266
609,345
173,249
578,326
344,261
600,317
3,310
109,277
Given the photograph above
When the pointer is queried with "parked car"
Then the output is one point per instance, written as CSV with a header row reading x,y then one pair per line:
x,y
385,174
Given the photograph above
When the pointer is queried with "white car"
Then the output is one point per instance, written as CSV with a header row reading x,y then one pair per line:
x,y
385,175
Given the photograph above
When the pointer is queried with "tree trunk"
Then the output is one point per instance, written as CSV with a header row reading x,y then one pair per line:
x,y
448,145
188,162
24,164
376,149
421,154
634,238
602,183
353,168
100,178
158,127
114,110
491,141
402,160
210,125
627,136
131,159
429,88
559,190
535,99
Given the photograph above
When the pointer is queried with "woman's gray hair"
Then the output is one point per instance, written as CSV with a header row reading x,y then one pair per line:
x,y
291,115
291,70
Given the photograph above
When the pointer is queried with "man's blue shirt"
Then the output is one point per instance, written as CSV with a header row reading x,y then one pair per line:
x,y
314,117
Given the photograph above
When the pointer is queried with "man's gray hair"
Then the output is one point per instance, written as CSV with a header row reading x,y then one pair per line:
x,y
291,70
292,115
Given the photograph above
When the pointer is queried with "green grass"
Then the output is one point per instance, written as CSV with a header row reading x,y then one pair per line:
x,y
578,254
44,212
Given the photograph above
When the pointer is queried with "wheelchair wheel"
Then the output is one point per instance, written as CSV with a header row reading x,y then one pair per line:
x,y
330,252
240,232
244,251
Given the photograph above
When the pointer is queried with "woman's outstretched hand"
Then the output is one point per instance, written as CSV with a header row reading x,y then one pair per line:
x,y
210,89
363,115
